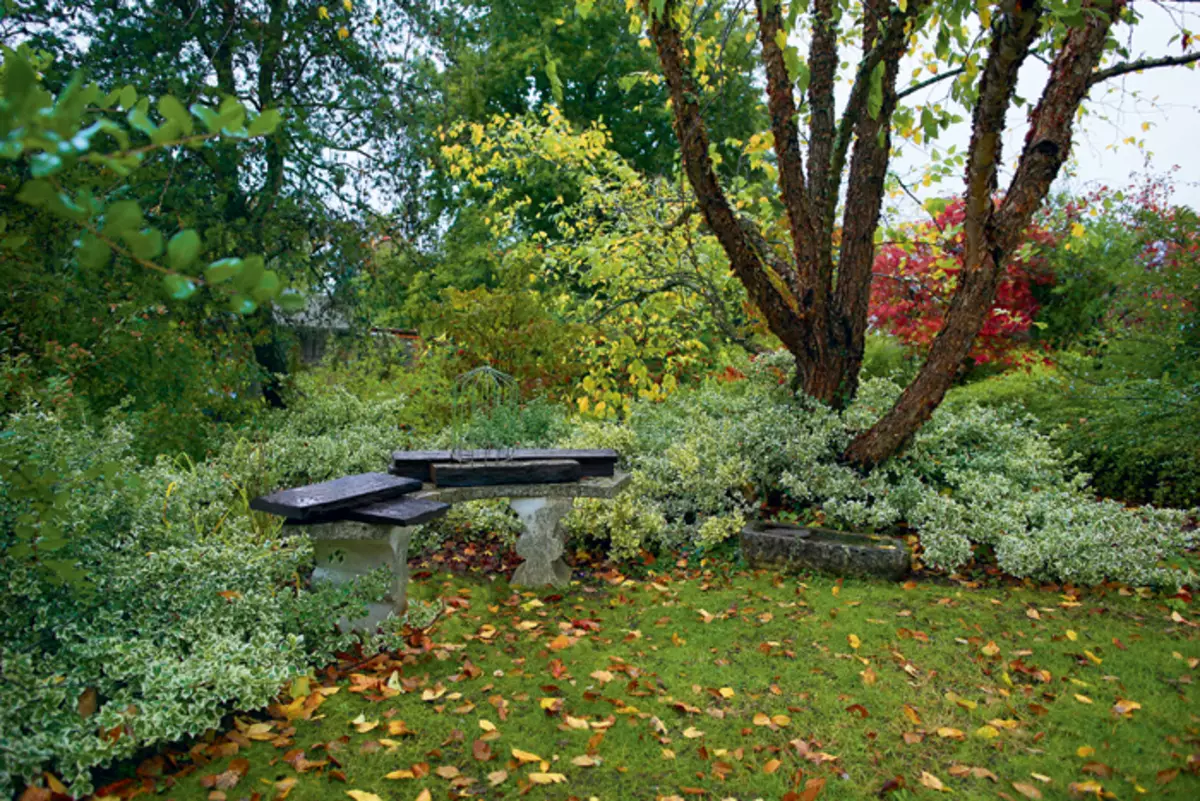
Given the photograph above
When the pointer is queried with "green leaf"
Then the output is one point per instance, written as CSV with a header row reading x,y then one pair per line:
x,y
139,121
179,287
173,111
146,244
268,287
36,193
222,270
122,216
183,249
210,118
42,165
875,94
265,123
128,97
93,252
251,273
291,301
19,78
240,304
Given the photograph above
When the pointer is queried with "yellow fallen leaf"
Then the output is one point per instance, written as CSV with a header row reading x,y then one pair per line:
x,y
585,761
525,756
667,753
547,778
1084,751
949,733
987,732
1072,636
692,733
780,720
931,781
854,641
1083,699
991,649
1092,657
497,777
401,774
424,795
447,771
362,795
910,712
1125,707
762,719
487,725
727,692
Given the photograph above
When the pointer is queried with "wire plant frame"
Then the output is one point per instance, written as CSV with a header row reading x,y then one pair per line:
x,y
485,405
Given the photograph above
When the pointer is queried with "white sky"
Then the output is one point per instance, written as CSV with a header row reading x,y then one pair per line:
x,y
1168,98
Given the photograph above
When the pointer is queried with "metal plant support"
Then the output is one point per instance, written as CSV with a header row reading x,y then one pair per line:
x,y
486,403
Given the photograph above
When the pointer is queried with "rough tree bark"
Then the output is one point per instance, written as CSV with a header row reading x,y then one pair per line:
x,y
816,304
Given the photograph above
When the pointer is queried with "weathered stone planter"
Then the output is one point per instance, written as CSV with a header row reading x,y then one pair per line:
x,y
818,549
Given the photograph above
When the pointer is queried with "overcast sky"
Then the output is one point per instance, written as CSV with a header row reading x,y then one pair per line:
x,y
1168,99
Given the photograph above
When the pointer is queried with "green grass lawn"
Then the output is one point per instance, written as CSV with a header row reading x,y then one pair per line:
x,y
717,685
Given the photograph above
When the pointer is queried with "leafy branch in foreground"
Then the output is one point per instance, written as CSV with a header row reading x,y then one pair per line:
x,y
62,142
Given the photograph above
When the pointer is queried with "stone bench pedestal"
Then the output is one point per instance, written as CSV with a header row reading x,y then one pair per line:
x,y
541,508
346,550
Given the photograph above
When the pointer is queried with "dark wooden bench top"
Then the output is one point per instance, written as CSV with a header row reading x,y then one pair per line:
x,y
319,500
418,464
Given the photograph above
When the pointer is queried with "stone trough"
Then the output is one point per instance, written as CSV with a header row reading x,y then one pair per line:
x,y
796,548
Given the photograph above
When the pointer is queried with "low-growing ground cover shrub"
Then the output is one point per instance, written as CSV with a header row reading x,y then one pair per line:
x,y
973,478
143,604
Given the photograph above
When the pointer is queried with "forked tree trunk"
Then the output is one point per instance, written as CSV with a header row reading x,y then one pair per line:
x,y
819,309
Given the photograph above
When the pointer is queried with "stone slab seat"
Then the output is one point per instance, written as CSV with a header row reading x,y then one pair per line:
x,y
358,524
316,500
419,464
788,547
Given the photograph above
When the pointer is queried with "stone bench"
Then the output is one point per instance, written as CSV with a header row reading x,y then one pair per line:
x,y
360,523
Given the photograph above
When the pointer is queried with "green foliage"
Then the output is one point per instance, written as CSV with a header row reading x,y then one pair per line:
x,y
66,142
237,621
704,459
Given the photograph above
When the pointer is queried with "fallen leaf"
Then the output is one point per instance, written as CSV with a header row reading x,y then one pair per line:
x,y
525,756
949,733
854,641
771,766
1083,699
1027,790
692,733
362,795
931,781
547,778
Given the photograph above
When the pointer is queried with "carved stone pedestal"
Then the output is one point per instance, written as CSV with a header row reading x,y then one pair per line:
x,y
346,550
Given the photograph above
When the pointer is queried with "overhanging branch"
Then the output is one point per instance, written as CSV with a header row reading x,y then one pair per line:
x,y
1139,65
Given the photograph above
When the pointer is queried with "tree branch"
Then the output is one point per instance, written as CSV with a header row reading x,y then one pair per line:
x,y
1139,65
806,282
928,82
749,256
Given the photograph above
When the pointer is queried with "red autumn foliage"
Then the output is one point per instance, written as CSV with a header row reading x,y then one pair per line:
x,y
913,284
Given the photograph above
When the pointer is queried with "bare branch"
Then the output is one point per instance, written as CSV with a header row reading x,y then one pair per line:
x,y
1139,65
928,82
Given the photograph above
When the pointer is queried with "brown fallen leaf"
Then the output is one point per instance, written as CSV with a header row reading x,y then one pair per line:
x,y
1027,790
497,777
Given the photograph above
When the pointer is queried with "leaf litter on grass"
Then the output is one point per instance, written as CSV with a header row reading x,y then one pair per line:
x,y
702,684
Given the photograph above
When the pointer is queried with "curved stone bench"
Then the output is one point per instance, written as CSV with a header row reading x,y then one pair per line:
x,y
789,547
541,508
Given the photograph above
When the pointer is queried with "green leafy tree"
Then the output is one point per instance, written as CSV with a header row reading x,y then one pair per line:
x,y
812,284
